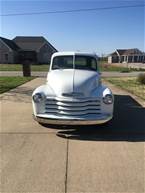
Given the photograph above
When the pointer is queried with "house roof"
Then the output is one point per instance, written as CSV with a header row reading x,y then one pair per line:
x,y
113,54
121,51
129,51
10,44
32,43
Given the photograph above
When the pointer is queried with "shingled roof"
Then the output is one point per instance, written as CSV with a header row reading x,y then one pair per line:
x,y
129,51
12,45
32,43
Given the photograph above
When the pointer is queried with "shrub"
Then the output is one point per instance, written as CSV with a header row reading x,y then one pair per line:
x,y
141,78
125,70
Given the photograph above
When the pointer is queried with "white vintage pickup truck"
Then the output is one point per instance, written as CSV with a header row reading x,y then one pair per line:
x,y
73,93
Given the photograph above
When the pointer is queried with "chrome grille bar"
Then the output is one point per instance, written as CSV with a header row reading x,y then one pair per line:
x,y
72,108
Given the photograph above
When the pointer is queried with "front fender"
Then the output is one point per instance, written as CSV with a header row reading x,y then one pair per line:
x,y
100,92
46,91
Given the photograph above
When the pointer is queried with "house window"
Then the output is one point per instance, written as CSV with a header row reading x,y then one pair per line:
x,y
6,57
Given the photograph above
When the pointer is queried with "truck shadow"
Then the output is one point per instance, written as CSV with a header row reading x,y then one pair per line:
x,y
128,124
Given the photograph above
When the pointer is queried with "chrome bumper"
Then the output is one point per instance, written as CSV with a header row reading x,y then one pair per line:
x,y
100,120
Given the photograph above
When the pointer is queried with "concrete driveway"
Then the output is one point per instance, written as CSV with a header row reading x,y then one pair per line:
x,y
94,159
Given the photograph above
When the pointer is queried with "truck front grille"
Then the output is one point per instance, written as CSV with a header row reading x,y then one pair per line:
x,y
72,108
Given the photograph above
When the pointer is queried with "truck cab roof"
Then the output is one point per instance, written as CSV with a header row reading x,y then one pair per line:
x,y
73,53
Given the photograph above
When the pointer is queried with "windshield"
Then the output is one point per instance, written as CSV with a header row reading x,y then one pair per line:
x,y
62,62
81,62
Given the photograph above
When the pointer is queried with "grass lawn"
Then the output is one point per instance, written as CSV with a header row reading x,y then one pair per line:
x,y
115,69
7,83
104,66
45,67
130,84
18,67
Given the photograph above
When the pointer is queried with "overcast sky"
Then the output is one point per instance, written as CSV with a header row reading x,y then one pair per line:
x,y
92,31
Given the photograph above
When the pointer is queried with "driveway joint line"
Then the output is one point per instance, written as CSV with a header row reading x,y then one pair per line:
x,y
66,171
26,133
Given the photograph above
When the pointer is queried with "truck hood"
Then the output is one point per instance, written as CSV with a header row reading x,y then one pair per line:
x,y
72,82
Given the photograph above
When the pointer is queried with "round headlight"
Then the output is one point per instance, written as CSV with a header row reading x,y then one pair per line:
x,y
38,97
108,99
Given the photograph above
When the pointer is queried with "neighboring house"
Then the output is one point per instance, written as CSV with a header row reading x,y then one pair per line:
x,y
8,51
127,55
36,49
40,47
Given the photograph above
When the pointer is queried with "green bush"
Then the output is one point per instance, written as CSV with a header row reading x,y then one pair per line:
x,y
141,78
125,70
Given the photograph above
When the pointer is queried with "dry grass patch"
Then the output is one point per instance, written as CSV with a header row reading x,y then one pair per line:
x,y
130,84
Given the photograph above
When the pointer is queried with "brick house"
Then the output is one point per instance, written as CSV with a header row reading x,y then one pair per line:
x,y
8,51
127,55
36,49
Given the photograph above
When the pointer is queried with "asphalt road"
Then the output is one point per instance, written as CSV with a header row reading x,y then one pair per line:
x,y
44,74
94,159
